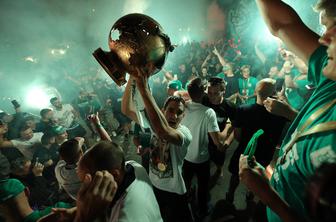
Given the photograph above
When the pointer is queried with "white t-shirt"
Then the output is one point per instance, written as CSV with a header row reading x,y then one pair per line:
x,y
67,178
200,120
171,179
65,116
138,203
26,147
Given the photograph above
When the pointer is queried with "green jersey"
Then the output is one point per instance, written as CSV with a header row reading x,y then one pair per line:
x,y
308,153
297,96
247,88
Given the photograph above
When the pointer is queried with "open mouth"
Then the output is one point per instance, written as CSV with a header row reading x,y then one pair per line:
x,y
172,123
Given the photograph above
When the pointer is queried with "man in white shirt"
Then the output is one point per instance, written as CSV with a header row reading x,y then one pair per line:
x,y
200,120
67,116
169,145
133,199
27,142
66,169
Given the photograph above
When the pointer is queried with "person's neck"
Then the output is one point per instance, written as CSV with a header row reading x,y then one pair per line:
x,y
230,74
196,100
260,101
219,101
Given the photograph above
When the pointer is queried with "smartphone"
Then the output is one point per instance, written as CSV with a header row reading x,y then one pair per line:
x,y
15,103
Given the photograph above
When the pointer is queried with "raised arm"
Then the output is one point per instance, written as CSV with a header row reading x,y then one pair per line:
x,y
127,104
285,23
220,58
158,121
95,122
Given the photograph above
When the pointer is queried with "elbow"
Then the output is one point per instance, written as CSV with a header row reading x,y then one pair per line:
x,y
162,133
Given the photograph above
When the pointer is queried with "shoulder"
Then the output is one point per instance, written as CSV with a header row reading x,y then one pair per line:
x,y
317,61
68,106
185,132
60,164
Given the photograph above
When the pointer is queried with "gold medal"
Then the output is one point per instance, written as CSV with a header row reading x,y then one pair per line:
x,y
161,166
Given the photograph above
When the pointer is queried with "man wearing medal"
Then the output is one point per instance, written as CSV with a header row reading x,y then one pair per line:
x,y
311,139
169,144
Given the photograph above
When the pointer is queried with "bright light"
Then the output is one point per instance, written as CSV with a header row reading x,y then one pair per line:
x,y
57,52
185,40
37,98
267,35
30,59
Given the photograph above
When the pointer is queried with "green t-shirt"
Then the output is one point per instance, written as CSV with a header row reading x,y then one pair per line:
x,y
10,188
247,88
298,96
308,153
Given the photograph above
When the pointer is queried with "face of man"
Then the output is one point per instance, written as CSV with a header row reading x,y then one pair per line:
x,y
246,72
27,134
174,113
215,94
3,129
49,115
182,68
273,72
227,69
62,137
8,118
31,124
329,39
57,103
171,91
204,71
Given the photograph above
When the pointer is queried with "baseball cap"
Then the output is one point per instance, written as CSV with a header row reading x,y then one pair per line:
x,y
58,130
175,84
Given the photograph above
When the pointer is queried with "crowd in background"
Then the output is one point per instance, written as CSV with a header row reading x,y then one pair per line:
x,y
43,152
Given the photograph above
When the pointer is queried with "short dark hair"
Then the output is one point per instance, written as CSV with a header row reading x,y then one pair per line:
x,y
52,100
27,118
196,88
17,165
216,81
104,155
175,99
70,151
46,138
23,127
44,112
329,6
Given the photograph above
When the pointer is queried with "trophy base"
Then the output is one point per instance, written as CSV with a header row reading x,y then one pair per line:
x,y
107,61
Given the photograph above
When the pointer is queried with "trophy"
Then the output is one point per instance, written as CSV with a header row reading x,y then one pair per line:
x,y
141,43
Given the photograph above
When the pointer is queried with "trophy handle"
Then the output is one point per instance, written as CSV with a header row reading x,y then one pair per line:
x,y
109,62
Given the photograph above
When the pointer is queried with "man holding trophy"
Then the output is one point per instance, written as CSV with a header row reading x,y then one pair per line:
x,y
141,50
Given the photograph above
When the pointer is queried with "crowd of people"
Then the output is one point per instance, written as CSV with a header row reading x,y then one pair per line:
x,y
69,164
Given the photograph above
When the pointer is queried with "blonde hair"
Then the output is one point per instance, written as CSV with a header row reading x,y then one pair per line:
x,y
265,88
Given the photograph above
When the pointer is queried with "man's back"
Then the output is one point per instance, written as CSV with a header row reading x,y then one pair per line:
x,y
67,178
200,120
138,202
251,118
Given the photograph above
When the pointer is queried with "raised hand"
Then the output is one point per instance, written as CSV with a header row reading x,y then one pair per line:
x,y
95,196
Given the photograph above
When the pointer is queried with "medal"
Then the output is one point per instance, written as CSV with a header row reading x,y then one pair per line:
x,y
161,166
